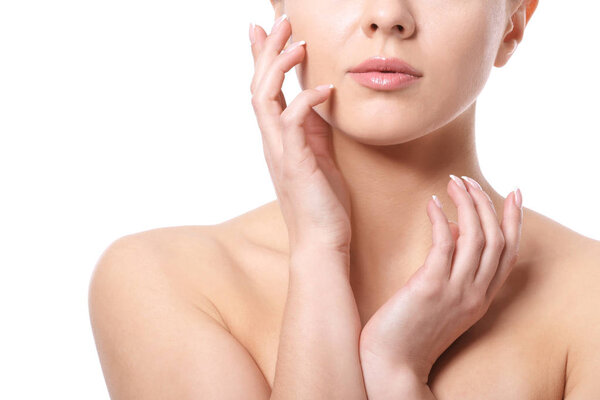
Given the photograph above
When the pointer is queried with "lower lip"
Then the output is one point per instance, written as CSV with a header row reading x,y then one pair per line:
x,y
384,80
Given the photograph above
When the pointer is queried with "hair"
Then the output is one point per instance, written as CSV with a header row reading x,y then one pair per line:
x,y
531,6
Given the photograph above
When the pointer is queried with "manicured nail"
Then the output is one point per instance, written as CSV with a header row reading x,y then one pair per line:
x,y
251,33
518,199
294,45
323,87
458,181
277,23
472,182
437,201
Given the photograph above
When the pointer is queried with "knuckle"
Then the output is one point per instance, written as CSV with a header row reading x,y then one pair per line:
x,y
478,239
497,243
474,304
446,245
287,118
432,290
256,101
514,257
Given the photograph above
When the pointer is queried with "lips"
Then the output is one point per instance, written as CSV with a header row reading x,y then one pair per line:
x,y
386,65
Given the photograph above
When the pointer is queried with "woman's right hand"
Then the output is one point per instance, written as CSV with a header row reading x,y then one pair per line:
x,y
297,144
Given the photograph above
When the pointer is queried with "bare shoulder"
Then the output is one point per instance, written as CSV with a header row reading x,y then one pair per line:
x,y
569,263
175,259
217,268
158,333
560,259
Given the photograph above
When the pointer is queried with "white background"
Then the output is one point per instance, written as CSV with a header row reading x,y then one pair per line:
x,y
122,116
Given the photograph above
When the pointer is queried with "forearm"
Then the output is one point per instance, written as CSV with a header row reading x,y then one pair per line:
x,y
318,355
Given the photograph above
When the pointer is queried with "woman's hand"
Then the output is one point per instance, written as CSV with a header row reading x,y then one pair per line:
x,y
449,293
298,149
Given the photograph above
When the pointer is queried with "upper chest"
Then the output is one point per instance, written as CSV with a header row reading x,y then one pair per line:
x,y
511,353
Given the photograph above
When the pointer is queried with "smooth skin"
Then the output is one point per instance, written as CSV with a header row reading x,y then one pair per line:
x,y
462,272
196,312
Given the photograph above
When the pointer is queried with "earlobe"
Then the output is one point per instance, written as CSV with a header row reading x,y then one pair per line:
x,y
513,47
505,52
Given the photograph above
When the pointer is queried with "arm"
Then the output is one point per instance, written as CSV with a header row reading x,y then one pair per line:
x,y
318,354
153,344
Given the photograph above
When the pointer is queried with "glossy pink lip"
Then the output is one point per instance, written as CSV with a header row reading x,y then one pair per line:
x,y
382,73
391,64
383,80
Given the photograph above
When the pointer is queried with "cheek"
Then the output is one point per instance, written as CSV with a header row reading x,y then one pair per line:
x,y
326,44
460,53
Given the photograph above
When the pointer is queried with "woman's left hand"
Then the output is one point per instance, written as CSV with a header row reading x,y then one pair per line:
x,y
451,291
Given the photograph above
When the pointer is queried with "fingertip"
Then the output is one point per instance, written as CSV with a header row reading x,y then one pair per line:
x,y
434,209
512,214
325,88
518,199
251,32
518,202
436,201
259,37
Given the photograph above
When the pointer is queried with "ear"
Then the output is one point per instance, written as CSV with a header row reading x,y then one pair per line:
x,y
515,29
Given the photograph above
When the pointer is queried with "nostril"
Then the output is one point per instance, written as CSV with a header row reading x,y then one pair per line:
x,y
400,28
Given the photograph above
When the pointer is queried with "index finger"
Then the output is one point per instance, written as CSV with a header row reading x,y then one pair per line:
x,y
257,38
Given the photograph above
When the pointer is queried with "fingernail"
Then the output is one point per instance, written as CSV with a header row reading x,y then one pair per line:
x,y
472,182
437,201
251,33
458,181
294,45
323,87
518,199
277,23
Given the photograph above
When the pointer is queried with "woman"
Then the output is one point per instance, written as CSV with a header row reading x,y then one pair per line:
x,y
357,283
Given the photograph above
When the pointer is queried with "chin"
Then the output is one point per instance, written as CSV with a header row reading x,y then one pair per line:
x,y
368,129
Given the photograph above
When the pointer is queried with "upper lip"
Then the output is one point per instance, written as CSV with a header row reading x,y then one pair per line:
x,y
378,63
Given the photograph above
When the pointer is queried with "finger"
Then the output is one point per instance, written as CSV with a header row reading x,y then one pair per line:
x,y
267,99
470,241
259,38
439,258
296,152
512,222
454,229
271,48
494,238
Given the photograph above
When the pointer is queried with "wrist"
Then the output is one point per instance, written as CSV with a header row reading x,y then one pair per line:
x,y
381,370
383,383
315,258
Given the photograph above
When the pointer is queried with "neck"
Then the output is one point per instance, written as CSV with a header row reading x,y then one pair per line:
x,y
389,188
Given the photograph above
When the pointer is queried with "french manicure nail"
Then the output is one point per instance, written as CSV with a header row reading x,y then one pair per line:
x,y
472,182
458,181
251,33
437,201
518,199
278,22
294,45
324,87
